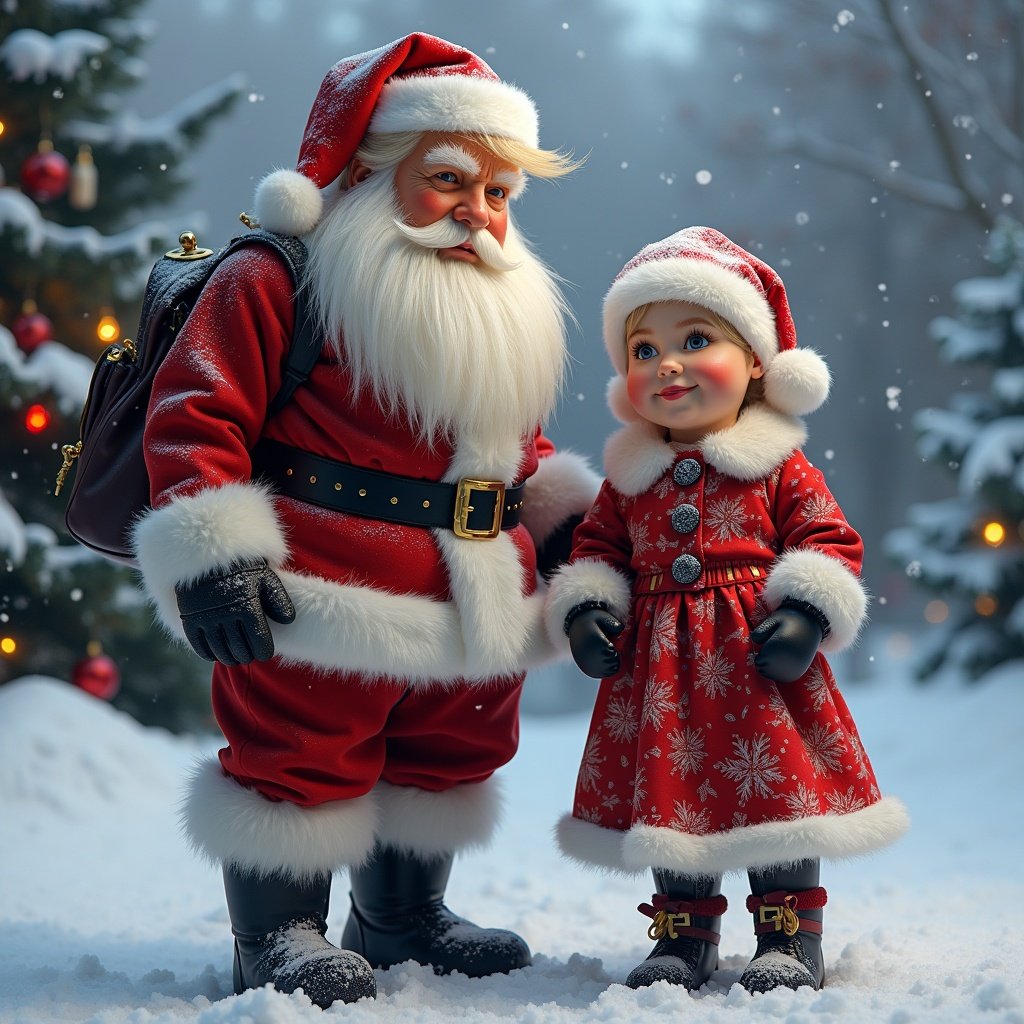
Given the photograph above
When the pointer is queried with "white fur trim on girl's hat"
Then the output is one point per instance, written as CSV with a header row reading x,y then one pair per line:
x,y
416,83
702,266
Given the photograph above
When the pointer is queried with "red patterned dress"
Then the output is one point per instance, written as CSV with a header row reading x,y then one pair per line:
x,y
694,761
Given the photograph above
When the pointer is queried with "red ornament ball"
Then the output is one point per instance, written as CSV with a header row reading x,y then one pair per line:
x,y
97,674
45,176
30,330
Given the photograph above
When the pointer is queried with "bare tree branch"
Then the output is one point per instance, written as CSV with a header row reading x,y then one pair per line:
x,y
923,88
842,157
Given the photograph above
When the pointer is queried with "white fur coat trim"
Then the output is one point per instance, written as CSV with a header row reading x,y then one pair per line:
x,y
826,583
588,579
456,103
489,629
829,837
563,486
226,823
434,824
637,455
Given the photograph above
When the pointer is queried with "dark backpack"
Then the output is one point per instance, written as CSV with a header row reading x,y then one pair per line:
x,y
111,485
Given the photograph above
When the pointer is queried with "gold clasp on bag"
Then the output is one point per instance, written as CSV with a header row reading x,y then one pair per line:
x,y
463,507
70,453
117,352
190,248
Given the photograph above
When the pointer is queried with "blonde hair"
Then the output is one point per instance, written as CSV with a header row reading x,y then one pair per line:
x,y
755,389
381,150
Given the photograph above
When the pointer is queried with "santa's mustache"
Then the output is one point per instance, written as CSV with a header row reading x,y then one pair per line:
x,y
448,233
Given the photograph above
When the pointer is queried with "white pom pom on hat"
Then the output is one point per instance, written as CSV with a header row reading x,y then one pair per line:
x,y
416,83
702,266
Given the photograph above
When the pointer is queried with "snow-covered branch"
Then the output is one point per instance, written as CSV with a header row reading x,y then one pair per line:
x,y
19,213
29,53
175,129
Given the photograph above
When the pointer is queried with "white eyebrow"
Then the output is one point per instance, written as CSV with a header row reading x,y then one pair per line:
x,y
448,155
514,181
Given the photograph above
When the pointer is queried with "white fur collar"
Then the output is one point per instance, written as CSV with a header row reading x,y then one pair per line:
x,y
636,456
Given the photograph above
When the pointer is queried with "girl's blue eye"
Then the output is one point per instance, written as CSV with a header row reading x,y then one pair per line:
x,y
644,351
695,342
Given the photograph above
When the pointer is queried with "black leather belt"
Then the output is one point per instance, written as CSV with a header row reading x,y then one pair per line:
x,y
472,509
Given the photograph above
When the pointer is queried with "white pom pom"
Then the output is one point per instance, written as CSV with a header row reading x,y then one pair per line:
x,y
797,381
618,401
288,203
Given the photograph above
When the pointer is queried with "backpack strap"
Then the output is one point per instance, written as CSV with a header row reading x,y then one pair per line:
x,y
306,343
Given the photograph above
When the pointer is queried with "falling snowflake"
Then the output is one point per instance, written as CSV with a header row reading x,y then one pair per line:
x,y
620,720
687,751
753,768
714,673
590,772
844,803
726,518
688,819
825,747
657,703
804,803
664,638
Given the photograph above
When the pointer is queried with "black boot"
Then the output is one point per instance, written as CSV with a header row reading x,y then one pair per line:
x,y
279,927
787,907
398,914
687,914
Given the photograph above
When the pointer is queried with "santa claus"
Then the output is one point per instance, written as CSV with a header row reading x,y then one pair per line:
x,y
362,566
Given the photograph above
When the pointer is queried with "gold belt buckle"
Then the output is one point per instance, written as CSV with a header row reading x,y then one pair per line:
x,y
463,507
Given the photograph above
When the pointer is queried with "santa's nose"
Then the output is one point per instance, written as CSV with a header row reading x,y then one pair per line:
x,y
472,211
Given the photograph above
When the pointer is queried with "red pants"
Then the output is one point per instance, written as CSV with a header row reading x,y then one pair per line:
x,y
309,738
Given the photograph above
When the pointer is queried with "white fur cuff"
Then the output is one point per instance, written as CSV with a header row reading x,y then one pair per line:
x,y
226,823
564,485
827,583
430,824
589,579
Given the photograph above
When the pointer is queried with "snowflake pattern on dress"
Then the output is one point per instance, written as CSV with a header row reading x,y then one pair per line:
x,y
686,750
753,768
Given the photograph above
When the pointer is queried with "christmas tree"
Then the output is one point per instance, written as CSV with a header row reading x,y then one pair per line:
x,y
81,170
969,549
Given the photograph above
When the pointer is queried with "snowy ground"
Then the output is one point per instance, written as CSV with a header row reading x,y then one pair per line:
x,y
106,918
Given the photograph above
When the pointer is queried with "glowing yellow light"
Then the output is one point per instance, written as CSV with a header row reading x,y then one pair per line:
x,y
108,328
994,534
3,127
8,645
985,604
936,611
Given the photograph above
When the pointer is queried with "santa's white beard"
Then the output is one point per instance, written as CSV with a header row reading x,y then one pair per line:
x,y
461,350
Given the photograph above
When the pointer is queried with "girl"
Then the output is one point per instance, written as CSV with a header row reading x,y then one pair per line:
x,y
711,574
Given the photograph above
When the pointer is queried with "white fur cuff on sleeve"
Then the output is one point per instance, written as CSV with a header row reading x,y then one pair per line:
x,y
586,580
828,584
564,485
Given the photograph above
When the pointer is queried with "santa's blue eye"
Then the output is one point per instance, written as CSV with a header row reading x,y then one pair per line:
x,y
448,177
695,342
644,350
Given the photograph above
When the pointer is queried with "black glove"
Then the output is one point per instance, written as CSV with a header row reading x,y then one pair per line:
x,y
591,628
556,549
225,612
789,639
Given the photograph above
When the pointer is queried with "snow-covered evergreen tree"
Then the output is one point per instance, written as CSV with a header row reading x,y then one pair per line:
x,y
969,549
77,247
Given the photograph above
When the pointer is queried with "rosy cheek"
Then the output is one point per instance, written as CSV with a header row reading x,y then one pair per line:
x,y
636,389
427,207
719,374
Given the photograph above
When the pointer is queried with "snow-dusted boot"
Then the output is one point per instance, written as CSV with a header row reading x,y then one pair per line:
x,y
687,913
398,914
279,927
787,907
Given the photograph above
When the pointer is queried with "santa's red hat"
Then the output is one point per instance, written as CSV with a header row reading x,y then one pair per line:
x,y
702,266
417,83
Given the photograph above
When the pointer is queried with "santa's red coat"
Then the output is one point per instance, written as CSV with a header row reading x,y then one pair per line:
x,y
694,761
381,608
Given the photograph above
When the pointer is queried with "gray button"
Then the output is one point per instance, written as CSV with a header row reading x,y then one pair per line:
x,y
685,518
687,472
686,569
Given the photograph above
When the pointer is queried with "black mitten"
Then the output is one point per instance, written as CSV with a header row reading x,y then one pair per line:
x,y
225,613
591,627
789,640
